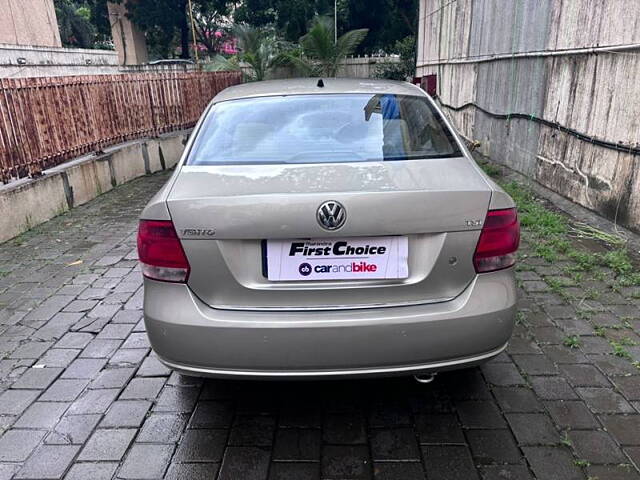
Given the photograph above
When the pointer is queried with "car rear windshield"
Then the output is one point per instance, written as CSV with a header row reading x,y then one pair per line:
x,y
322,128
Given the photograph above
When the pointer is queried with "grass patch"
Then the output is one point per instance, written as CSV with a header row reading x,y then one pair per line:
x,y
572,341
620,351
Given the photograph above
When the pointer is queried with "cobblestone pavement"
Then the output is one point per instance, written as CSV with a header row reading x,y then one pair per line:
x,y
83,397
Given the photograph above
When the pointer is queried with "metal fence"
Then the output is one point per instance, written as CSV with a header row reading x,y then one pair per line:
x,y
46,121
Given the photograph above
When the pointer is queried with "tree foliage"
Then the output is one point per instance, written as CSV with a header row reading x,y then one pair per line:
x,y
322,55
76,29
403,69
387,20
259,49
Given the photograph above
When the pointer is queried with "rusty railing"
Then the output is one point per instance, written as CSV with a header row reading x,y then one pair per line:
x,y
47,121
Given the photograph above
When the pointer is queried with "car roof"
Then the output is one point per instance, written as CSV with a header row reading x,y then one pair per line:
x,y
307,86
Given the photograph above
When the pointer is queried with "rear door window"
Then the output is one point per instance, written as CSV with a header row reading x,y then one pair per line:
x,y
322,128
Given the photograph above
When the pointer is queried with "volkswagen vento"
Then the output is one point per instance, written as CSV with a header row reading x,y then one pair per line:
x,y
323,228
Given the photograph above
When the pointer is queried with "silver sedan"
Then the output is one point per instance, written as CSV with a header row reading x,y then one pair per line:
x,y
321,228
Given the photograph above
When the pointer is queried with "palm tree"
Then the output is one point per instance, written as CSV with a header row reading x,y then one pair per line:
x,y
321,54
259,49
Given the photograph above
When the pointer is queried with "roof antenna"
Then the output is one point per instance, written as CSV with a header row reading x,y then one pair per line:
x,y
320,84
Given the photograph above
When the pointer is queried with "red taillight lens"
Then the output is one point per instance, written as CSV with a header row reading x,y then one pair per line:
x,y
498,241
160,252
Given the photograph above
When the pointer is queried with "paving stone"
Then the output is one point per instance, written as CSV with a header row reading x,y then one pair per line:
x,y
17,445
113,378
103,310
553,388
629,386
571,414
14,402
613,472
297,471
394,444
502,374
388,413
31,350
127,316
254,430
48,462
552,463
297,444
480,414
192,471
152,367
612,366
177,399
128,356
85,368
42,415
517,400
37,378
250,463
146,462
624,428
80,306
201,446
581,375
493,446
561,354
94,401
58,357
439,428
505,472
100,348
451,462
533,429
74,340
73,429
214,414
163,428
595,446
92,471
143,388
126,413
137,340
115,331
7,470
341,462
397,470
344,428
535,364
604,400
107,445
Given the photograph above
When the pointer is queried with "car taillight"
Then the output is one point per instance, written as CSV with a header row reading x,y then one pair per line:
x,y
498,241
160,252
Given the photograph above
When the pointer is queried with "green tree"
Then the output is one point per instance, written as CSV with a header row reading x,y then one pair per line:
x,y
321,54
74,24
403,69
387,20
259,49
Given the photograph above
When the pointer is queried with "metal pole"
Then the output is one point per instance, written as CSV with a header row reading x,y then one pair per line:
x,y
193,34
335,22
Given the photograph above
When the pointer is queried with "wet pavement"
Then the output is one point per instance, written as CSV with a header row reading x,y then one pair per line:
x,y
83,397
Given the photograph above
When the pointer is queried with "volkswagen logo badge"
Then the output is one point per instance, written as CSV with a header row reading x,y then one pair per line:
x,y
331,215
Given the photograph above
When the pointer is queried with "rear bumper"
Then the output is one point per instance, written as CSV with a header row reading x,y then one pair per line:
x,y
195,339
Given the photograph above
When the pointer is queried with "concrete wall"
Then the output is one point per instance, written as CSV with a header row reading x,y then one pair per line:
x,y
538,59
29,22
29,61
27,203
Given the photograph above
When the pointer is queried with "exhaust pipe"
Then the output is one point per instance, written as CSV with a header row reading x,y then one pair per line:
x,y
425,378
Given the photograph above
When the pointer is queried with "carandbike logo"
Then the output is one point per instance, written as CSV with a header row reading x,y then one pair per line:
x,y
354,267
304,269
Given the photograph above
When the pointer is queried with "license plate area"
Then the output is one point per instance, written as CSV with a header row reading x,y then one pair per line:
x,y
357,258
